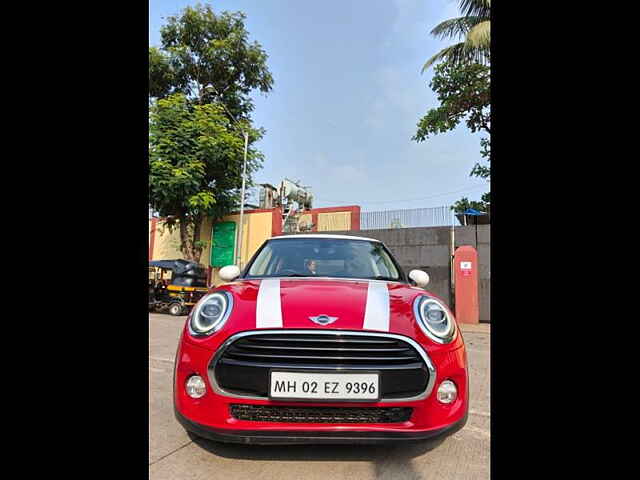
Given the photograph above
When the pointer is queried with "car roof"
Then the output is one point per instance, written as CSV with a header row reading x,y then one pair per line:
x,y
320,235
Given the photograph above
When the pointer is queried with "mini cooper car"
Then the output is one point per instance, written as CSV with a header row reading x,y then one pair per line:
x,y
321,339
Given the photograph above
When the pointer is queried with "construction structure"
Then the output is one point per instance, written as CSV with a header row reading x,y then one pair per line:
x,y
293,199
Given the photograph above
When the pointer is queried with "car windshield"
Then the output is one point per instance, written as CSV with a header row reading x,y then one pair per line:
x,y
324,257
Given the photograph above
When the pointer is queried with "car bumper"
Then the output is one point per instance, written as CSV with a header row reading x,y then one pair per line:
x,y
211,416
296,437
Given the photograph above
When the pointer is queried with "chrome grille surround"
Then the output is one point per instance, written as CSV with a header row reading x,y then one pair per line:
x,y
221,350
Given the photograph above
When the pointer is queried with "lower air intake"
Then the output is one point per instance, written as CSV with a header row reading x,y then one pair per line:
x,y
267,413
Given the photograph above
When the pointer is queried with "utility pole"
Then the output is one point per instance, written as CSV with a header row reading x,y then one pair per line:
x,y
244,175
452,270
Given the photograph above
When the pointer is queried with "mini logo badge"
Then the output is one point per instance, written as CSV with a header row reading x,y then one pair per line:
x,y
323,319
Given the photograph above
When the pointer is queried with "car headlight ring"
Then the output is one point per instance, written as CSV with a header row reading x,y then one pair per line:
x,y
210,314
435,319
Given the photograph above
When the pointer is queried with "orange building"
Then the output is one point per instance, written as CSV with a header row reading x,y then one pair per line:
x,y
258,225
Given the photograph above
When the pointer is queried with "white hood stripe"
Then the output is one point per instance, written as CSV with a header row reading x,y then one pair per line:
x,y
376,313
268,309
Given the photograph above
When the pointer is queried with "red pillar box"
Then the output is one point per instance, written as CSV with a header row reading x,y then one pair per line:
x,y
466,271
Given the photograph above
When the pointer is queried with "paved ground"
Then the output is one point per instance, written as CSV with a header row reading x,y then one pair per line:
x,y
173,455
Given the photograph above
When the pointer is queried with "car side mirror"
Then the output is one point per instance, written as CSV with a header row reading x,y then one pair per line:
x,y
421,278
229,273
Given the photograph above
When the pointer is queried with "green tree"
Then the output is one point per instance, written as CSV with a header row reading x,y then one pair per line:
x,y
200,82
464,94
464,203
209,58
195,165
473,29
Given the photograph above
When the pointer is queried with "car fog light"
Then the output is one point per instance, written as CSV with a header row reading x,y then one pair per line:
x,y
447,392
196,386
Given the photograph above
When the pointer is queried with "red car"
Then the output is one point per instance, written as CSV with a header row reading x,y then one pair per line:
x,y
321,339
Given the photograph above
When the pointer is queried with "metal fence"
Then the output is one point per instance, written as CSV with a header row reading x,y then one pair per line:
x,y
416,217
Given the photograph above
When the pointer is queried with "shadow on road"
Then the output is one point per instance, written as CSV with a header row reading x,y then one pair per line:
x,y
390,461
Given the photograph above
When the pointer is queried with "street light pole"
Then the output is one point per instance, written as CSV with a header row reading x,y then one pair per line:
x,y
244,175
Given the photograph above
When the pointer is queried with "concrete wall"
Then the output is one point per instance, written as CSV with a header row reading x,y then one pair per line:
x,y
333,221
166,245
428,249
257,227
332,218
329,221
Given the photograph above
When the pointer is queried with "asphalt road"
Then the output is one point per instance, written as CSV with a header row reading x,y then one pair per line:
x,y
174,455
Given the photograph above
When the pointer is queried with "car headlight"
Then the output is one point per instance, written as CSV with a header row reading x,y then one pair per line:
x,y
210,314
434,318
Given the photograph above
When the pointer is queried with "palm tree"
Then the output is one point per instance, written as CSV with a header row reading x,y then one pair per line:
x,y
474,27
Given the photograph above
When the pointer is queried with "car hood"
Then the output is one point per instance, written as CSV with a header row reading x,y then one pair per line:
x,y
370,305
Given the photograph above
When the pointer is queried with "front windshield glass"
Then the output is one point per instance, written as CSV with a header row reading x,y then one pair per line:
x,y
324,257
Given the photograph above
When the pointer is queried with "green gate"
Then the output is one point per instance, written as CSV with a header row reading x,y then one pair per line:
x,y
223,241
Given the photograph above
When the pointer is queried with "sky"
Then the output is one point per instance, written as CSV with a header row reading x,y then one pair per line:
x,y
346,99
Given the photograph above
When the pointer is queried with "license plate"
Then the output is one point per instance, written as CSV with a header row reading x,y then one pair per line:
x,y
324,386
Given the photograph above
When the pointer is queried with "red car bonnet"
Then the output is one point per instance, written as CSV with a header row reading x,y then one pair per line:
x,y
302,298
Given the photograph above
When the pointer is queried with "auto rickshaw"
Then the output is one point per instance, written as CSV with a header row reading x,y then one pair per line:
x,y
187,285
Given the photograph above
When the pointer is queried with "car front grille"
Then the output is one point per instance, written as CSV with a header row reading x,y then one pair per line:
x,y
267,413
243,366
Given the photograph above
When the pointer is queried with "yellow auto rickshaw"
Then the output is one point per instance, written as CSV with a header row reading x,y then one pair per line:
x,y
177,295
